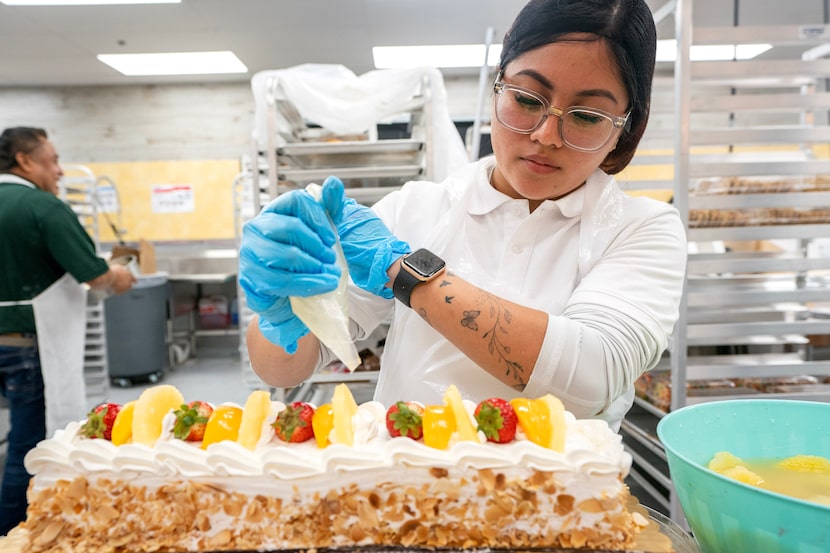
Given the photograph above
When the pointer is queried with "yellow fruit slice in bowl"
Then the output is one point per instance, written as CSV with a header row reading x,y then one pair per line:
x,y
150,408
806,463
463,423
344,408
322,422
723,461
254,414
743,474
222,425
122,427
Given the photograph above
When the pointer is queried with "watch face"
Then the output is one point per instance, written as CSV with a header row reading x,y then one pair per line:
x,y
424,262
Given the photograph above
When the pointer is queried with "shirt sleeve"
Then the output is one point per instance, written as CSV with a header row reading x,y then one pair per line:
x,y
618,321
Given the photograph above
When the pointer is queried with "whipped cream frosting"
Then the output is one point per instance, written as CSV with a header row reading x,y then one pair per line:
x,y
591,448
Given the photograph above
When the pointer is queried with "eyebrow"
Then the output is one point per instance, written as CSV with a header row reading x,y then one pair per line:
x,y
591,92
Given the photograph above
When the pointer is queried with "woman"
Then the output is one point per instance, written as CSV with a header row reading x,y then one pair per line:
x,y
533,272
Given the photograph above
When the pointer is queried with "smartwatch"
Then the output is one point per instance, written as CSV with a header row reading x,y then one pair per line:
x,y
416,268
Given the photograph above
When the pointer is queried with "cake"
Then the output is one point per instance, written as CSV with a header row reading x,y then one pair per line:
x,y
256,478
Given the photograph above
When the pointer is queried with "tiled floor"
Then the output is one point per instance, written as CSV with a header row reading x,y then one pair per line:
x,y
217,379
217,376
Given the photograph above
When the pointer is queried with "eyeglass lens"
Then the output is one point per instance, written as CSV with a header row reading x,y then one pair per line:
x,y
581,129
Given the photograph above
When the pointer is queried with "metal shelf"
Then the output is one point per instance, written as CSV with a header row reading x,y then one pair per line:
x,y
755,127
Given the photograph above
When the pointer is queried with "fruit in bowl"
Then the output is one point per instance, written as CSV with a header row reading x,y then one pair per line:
x,y
734,515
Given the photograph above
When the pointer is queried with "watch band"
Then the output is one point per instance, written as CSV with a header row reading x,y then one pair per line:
x,y
416,268
403,285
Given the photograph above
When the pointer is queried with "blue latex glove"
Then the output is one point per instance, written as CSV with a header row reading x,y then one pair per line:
x,y
368,245
286,251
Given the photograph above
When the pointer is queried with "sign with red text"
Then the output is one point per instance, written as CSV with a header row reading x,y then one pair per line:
x,y
172,198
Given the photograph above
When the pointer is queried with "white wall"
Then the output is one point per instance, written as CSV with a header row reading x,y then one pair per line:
x,y
172,122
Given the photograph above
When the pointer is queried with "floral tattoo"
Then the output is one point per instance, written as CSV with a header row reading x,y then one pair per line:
x,y
502,317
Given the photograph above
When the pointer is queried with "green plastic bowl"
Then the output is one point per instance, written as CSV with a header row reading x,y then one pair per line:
x,y
725,515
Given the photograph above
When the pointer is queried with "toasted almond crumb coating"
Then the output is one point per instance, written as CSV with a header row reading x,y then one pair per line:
x,y
115,516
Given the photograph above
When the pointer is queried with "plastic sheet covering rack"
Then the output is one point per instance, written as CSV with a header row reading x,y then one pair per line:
x,y
375,131
78,188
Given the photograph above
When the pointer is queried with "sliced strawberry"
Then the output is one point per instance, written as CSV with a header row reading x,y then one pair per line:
x,y
99,421
293,423
497,419
405,418
191,419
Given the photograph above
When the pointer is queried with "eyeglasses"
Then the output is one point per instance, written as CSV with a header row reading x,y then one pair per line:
x,y
581,128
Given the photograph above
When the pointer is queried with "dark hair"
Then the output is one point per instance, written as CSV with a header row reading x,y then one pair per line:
x,y
628,28
18,139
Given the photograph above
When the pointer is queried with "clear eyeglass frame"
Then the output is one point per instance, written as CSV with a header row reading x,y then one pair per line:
x,y
616,122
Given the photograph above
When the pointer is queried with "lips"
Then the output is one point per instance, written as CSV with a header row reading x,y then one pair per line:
x,y
540,163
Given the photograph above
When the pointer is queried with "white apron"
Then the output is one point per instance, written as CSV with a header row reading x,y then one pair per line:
x,y
443,364
60,320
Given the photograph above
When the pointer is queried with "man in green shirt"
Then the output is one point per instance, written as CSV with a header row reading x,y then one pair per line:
x,y
41,239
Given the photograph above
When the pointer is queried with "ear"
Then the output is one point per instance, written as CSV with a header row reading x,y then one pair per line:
x,y
23,161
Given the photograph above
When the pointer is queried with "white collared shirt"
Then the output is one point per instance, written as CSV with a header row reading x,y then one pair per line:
x,y
609,275
14,179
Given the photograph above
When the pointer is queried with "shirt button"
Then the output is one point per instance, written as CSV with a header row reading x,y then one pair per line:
x,y
517,211
517,248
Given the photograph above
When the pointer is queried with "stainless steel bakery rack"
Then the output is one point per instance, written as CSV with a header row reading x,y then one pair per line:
x,y
297,151
750,165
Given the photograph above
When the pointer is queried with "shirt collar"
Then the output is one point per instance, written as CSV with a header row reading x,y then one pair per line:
x,y
486,198
14,179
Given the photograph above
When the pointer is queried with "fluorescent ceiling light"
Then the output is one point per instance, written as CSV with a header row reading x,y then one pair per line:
x,y
175,63
667,51
458,55
83,2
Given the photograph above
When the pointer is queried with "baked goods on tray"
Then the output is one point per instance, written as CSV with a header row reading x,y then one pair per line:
x,y
180,476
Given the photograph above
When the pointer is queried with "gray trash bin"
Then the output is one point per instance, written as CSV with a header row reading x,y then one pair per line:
x,y
136,324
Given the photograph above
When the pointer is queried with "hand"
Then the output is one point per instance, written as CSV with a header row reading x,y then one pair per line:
x,y
122,279
287,250
370,248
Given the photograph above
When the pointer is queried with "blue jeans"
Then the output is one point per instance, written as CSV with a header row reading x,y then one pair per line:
x,y
21,383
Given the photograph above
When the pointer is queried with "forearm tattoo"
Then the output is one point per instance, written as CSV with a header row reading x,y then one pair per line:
x,y
502,317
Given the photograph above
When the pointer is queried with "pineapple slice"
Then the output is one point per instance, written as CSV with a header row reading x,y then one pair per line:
x,y
743,474
556,419
723,461
122,427
806,463
256,410
343,409
322,422
150,408
463,424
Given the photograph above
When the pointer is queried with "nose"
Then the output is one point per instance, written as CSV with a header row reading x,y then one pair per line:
x,y
548,132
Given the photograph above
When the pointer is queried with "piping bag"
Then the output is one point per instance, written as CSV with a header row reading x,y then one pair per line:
x,y
327,315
